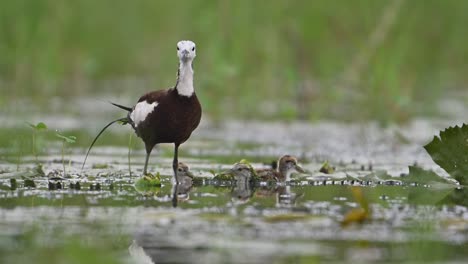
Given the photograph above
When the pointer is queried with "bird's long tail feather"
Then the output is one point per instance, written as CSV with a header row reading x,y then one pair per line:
x,y
124,120
129,109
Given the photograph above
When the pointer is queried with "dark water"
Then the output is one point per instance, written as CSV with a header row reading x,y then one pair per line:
x,y
108,220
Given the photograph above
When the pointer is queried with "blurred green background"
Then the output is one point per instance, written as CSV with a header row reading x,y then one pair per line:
x,y
284,59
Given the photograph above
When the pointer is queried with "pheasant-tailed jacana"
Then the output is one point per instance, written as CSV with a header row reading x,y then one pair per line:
x,y
171,115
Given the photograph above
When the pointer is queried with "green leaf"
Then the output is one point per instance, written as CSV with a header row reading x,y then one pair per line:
x,y
68,139
148,184
327,168
421,195
450,151
375,176
41,126
422,176
38,126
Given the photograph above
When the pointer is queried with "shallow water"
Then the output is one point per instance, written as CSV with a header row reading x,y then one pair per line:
x,y
108,220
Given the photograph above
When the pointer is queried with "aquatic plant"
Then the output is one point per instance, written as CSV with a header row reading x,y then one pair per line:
x,y
359,214
148,184
421,176
450,152
65,139
35,129
327,168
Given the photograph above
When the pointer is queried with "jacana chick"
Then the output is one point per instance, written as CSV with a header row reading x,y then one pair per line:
x,y
240,172
286,165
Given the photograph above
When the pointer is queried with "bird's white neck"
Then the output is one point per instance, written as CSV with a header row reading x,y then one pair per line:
x,y
184,84
286,173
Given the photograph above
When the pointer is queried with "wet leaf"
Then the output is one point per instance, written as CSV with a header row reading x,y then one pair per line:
x,y
376,176
450,151
13,184
148,182
360,198
147,188
422,176
38,126
355,215
360,214
41,126
327,168
68,139
421,195
29,183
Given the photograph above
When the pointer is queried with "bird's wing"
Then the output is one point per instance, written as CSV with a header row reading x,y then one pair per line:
x,y
154,96
266,174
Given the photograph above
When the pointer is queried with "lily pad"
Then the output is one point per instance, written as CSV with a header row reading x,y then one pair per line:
x,y
420,175
450,151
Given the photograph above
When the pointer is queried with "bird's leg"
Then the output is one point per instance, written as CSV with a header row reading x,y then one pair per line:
x,y
148,152
175,162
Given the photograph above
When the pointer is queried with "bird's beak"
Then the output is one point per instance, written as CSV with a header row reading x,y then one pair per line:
x,y
185,53
299,168
190,174
225,172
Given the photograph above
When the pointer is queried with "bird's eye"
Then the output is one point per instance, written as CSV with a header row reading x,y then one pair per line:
x,y
239,169
193,49
179,169
177,48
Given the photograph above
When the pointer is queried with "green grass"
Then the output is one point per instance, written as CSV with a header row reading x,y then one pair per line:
x,y
256,59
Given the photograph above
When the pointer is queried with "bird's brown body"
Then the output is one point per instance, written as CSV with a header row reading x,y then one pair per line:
x,y
172,121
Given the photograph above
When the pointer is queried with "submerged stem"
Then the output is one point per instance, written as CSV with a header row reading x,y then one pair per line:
x,y
129,153
63,161
34,145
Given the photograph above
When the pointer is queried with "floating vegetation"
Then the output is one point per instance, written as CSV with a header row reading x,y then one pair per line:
x,y
327,168
148,184
450,151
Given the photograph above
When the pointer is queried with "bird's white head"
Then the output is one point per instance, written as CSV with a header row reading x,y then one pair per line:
x,y
186,51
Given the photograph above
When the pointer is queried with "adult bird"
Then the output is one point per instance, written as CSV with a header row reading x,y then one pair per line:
x,y
171,115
